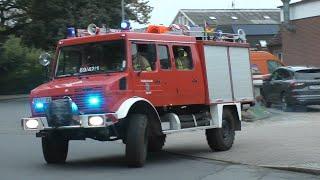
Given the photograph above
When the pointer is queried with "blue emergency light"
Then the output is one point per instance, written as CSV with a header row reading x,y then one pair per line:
x,y
71,32
125,25
39,106
94,100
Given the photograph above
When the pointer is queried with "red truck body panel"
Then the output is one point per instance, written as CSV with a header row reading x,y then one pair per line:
x,y
166,87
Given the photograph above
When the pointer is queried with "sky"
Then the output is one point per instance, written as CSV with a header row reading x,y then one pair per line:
x,y
165,10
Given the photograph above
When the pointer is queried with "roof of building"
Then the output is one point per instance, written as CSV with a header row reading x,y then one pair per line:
x,y
231,16
251,29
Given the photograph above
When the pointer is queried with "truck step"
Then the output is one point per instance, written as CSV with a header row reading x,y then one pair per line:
x,y
173,121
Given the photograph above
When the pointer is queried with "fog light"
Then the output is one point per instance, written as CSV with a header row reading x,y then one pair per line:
x,y
96,121
32,124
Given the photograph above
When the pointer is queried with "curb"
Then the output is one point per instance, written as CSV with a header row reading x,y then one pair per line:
x,y
12,97
284,168
296,169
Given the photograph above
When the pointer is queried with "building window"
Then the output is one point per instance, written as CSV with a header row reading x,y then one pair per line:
x,y
263,43
279,55
234,17
266,17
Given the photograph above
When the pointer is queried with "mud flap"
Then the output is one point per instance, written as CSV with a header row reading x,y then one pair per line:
x,y
216,111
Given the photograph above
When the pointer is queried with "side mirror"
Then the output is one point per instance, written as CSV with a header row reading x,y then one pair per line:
x,y
45,59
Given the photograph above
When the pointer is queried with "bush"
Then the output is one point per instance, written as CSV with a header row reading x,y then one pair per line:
x,y
19,68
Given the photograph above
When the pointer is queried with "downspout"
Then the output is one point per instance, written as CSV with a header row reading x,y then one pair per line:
x,y
286,16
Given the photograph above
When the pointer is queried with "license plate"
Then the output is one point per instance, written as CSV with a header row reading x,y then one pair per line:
x,y
316,87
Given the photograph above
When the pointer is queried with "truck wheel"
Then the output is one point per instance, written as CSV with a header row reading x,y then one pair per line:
x,y
222,139
55,150
137,140
156,143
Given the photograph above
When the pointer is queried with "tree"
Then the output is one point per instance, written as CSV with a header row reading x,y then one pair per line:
x,y
50,18
19,68
12,14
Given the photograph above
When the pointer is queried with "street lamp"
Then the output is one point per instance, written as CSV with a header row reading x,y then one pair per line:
x,y
122,10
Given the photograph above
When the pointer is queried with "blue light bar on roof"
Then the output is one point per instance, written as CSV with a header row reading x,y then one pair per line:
x,y
71,32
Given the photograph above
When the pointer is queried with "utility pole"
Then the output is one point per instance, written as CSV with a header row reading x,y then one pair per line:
x,y
122,10
233,4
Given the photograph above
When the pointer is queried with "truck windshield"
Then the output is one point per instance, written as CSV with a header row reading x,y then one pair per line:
x,y
91,58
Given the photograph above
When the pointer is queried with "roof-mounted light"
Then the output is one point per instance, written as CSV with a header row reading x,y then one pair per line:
x,y
71,32
125,25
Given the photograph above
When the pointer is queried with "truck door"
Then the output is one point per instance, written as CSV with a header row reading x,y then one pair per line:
x,y
188,75
166,75
145,72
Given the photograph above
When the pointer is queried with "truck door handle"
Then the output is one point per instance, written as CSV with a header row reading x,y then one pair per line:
x,y
194,81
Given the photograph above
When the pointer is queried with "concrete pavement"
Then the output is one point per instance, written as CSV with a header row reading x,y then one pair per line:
x,y
286,140
21,158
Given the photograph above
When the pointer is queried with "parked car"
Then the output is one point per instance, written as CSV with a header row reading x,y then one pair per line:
x,y
292,86
263,62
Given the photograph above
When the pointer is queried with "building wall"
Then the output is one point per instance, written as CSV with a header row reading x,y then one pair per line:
x,y
302,47
303,10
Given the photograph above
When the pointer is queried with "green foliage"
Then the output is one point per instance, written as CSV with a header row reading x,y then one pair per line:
x,y
25,24
50,18
19,68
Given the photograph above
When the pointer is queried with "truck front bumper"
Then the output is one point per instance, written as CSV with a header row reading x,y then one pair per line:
x,y
85,121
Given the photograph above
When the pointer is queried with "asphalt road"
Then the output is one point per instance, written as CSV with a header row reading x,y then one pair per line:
x,y
21,158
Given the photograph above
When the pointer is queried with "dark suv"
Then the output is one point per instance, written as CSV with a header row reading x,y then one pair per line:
x,y
292,86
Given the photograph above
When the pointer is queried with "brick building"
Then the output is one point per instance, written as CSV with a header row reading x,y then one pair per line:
x,y
301,42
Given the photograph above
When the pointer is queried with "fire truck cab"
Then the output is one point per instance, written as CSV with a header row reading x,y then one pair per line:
x,y
138,88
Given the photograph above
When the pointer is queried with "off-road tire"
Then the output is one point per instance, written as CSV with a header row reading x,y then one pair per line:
x,y
222,139
156,143
55,149
137,140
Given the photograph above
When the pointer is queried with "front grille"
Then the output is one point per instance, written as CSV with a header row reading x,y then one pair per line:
x,y
81,97
59,113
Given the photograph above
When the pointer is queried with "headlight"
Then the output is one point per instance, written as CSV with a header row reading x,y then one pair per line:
x,y
96,121
32,124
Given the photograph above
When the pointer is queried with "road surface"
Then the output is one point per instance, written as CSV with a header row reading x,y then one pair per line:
x,y
21,158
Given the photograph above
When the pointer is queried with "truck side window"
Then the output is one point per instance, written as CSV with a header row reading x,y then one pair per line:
x,y
143,57
273,65
183,57
164,57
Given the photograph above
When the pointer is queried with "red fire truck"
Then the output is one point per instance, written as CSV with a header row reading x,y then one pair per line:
x,y
138,88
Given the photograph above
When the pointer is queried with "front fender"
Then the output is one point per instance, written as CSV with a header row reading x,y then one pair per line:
x,y
124,108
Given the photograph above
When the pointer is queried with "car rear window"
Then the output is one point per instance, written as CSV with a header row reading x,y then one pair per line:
x,y
308,74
